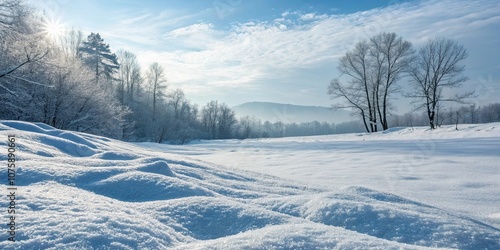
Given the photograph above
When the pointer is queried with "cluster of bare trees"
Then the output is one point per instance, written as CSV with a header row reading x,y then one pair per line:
x,y
371,71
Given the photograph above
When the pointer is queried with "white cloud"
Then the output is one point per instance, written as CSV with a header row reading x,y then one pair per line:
x,y
195,29
308,16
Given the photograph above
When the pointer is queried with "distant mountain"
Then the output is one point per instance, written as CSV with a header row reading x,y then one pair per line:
x,y
288,113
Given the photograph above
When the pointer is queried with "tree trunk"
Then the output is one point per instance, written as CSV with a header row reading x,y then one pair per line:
x,y
431,119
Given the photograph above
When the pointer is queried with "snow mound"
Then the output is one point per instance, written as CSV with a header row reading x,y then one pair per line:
x,y
157,167
215,217
66,142
116,156
67,146
297,236
135,186
389,217
55,216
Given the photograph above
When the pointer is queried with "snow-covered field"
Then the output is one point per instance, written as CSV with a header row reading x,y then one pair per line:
x,y
405,188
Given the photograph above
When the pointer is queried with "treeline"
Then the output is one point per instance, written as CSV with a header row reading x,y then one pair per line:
x,y
250,127
469,114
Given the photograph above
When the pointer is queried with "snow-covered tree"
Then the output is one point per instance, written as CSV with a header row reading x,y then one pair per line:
x,y
97,55
226,121
156,80
129,76
209,115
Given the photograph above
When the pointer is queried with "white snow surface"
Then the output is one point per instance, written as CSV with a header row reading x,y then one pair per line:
x,y
407,188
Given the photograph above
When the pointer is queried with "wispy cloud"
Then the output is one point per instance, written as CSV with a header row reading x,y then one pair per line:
x,y
136,19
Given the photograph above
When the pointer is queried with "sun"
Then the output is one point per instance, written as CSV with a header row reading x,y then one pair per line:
x,y
53,29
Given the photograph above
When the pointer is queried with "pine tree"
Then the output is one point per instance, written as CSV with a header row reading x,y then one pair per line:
x,y
97,55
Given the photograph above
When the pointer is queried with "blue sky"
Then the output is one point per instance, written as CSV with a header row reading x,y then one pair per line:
x,y
280,51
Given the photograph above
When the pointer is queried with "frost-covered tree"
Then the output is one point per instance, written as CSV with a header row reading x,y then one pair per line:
x,y
218,120
76,103
129,76
156,80
177,101
97,55
44,83
209,115
12,18
20,40
71,42
226,121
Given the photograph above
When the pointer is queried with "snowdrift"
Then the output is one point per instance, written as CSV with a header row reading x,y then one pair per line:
x,y
81,191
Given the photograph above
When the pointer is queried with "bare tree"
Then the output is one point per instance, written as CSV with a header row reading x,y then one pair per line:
x,y
177,101
129,75
157,84
356,65
71,42
209,115
352,97
246,125
226,121
438,66
373,68
391,56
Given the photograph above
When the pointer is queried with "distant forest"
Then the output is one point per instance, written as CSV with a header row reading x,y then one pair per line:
x,y
470,114
76,82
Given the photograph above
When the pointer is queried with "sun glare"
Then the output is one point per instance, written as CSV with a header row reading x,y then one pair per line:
x,y
53,29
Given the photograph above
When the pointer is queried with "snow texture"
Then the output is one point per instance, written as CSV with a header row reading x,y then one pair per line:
x,y
400,189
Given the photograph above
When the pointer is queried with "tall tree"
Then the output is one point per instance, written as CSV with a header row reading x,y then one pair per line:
x,y
97,55
373,68
226,121
157,84
209,118
359,93
438,66
71,42
391,57
129,76
177,101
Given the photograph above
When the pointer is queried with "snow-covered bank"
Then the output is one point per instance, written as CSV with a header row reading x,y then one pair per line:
x,y
82,191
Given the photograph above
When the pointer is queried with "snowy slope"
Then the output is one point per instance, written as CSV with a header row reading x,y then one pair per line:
x,y
81,191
